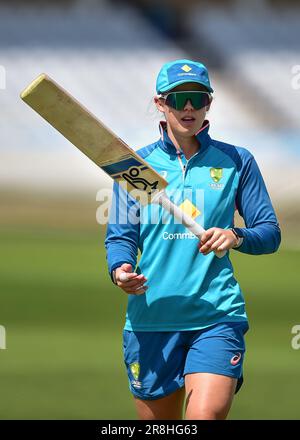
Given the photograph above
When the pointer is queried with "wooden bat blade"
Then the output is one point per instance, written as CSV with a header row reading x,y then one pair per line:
x,y
92,137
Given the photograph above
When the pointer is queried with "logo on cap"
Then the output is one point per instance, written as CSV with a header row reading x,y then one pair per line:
x,y
186,68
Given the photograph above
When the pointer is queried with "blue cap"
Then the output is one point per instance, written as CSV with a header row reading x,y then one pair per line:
x,y
179,72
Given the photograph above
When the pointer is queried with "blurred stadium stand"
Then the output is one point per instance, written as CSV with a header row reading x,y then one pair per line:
x,y
107,58
108,54
258,47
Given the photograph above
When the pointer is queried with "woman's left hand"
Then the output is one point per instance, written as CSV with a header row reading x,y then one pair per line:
x,y
217,239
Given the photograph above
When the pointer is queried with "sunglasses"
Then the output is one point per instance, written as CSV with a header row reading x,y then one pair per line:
x,y
178,100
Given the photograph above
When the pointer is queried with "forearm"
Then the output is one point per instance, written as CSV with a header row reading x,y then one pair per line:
x,y
122,236
120,251
261,239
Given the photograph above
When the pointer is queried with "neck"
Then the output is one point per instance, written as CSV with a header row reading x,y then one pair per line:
x,y
189,145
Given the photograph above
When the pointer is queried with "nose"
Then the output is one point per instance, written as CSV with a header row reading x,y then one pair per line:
x,y
188,105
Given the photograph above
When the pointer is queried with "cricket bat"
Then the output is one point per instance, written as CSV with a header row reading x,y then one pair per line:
x,y
103,147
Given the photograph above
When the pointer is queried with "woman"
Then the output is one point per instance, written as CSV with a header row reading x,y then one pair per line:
x,y
184,331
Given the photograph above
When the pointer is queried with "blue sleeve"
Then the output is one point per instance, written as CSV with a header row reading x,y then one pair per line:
x,y
262,233
123,230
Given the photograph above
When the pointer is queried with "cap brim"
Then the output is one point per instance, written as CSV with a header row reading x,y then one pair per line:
x,y
178,83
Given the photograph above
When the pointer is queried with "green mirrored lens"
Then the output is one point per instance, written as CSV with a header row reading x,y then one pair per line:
x,y
178,100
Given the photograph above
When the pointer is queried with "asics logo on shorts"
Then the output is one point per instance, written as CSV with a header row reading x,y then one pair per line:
x,y
235,359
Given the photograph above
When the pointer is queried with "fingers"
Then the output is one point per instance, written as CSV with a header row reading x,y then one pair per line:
x,y
207,235
139,291
133,282
135,290
130,282
216,239
126,267
208,239
125,277
217,245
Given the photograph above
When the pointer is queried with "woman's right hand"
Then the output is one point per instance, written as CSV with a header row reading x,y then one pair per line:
x,y
129,281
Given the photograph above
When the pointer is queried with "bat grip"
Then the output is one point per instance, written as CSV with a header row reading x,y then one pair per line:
x,y
162,199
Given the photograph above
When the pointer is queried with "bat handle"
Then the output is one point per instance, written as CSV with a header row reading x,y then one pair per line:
x,y
162,199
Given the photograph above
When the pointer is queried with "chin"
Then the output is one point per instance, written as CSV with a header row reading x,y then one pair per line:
x,y
188,131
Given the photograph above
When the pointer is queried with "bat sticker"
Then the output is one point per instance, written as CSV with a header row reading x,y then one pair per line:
x,y
139,182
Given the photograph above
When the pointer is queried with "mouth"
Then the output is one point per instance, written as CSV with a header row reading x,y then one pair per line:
x,y
187,121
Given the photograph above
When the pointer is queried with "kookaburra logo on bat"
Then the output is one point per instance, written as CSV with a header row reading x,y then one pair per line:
x,y
133,177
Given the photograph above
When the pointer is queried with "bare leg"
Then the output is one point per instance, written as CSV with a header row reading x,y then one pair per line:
x,y
166,408
209,396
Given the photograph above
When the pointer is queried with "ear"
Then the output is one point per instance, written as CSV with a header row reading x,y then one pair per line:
x,y
159,104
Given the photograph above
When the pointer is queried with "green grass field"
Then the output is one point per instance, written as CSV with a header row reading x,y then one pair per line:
x,y
64,321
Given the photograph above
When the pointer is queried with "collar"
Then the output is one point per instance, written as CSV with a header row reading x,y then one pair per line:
x,y
167,145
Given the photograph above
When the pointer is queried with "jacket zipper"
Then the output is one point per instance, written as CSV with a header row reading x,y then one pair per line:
x,y
184,166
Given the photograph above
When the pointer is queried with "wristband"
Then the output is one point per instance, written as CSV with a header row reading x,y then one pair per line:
x,y
239,239
113,275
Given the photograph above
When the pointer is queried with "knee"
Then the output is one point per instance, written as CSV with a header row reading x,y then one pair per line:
x,y
205,413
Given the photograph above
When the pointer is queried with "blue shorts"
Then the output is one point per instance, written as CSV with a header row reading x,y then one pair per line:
x,y
157,362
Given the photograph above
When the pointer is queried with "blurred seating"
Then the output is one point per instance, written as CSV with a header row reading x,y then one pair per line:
x,y
108,58
108,55
260,47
